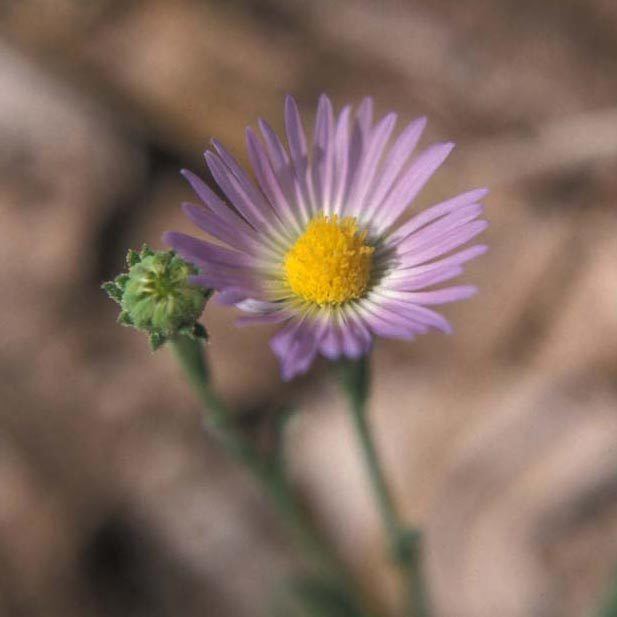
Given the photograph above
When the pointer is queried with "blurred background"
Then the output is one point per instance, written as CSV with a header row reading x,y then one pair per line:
x,y
500,439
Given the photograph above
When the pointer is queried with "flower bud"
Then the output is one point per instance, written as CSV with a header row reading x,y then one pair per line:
x,y
156,297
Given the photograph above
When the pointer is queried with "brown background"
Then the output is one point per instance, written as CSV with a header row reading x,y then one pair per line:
x,y
501,439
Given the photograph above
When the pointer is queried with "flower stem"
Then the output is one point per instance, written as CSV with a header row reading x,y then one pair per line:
x,y
190,355
403,543
609,603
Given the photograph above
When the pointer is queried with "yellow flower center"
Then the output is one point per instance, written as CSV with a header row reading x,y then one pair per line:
x,y
330,263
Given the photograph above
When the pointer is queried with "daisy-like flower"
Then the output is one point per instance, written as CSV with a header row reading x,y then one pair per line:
x,y
320,243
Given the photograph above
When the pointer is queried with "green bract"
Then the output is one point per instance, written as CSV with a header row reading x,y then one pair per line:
x,y
156,297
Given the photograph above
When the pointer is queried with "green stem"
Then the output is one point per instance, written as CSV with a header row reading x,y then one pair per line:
x,y
403,543
609,603
417,600
190,355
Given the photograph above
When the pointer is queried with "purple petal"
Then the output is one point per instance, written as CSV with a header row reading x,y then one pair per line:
x,y
236,192
284,172
398,156
434,212
379,316
266,318
356,339
419,314
365,116
442,296
426,279
454,260
401,314
355,156
352,346
341,156
368,167
280,342
276,151
259,306
233,295
454,240
411,184
203,253
244,180
300,356
330,345
323,151
234,235
213,202
442,228
269,182
296,140
382,326
295,345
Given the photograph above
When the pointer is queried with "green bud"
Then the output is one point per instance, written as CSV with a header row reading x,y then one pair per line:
x,y
156,297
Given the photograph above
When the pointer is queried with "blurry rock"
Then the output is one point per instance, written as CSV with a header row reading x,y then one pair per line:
x,y
176,60
63,168
584,332
522,485
35,537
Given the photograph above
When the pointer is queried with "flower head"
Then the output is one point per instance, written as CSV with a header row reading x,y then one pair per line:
x,y
155,295
320,243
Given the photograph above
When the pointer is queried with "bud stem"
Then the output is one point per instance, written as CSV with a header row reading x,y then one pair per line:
x,y
190,355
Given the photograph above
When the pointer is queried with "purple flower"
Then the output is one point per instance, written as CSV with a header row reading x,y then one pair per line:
x,y
318,244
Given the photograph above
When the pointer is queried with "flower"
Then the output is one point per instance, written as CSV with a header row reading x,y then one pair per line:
x,y
156,297
320,243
